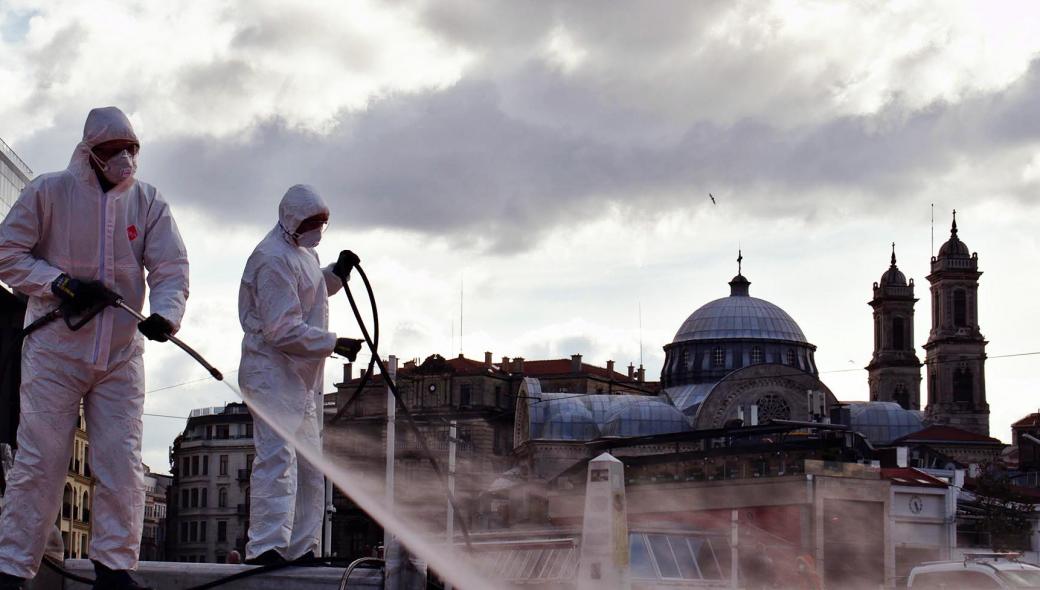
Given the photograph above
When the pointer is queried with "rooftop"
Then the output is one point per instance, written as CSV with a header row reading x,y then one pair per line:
x,y
908,476
947,434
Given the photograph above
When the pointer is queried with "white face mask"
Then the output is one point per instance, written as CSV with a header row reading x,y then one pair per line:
x,y
118,168
309,239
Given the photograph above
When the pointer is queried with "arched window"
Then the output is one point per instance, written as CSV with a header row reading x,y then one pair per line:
x,y
66,502
898,334
877,333
960,308
756,355
963,388
718,357
85,508
222,498
791,359
901,396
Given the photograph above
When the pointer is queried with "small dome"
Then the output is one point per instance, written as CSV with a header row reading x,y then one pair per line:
x,y
954,247
568,419
644,417
893,276
883,422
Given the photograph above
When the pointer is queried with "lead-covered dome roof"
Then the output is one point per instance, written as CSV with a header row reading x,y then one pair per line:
x,y
740,316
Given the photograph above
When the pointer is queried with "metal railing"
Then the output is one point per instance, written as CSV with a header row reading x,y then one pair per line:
x,y
18,163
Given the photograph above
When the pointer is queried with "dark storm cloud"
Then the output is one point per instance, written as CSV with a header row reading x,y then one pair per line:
x,y
455,163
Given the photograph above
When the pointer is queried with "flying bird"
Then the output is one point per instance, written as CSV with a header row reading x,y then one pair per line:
x,y
712,197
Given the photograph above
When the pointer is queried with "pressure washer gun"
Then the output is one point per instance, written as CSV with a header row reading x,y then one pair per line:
x,y
76,318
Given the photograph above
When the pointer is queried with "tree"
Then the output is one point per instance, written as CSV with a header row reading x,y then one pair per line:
x,y
1005,515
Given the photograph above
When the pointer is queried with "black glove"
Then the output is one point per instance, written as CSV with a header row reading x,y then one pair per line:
x,y
344,264
156,328
82,295
348,347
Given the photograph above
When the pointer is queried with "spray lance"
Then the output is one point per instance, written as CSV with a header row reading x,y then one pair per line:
x,y
347,262
104,298
75,317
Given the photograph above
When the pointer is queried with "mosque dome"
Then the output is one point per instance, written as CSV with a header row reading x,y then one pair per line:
x,y
739,316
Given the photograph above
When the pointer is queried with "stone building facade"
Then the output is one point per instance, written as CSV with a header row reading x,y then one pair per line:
x,y
208,503
153,535
76,500
479,396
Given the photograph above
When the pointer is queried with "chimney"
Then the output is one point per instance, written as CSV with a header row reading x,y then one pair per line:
x,y
642,374
631,370
488,362
505,365
575,363
518,364
348,372
610,369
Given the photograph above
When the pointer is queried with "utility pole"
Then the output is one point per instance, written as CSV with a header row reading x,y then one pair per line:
x,y
734,544
452,438
391,439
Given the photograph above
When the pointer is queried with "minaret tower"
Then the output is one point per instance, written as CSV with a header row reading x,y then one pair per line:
x,y
894,372
956,349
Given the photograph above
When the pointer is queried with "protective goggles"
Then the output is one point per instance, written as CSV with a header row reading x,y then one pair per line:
x,y
313,223
110,149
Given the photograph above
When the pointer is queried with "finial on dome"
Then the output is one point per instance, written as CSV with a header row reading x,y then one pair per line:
x,y
739,286
953,229
893,253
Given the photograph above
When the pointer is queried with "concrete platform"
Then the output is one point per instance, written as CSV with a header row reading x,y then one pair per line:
x,y
163,575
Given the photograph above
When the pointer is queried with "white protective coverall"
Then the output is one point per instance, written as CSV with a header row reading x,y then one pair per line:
x,y
64,223
284,310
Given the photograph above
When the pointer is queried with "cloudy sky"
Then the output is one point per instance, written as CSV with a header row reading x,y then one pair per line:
x,y
552,162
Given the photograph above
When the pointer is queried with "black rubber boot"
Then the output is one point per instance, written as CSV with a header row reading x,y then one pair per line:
x,y
110,579
9,582
269,557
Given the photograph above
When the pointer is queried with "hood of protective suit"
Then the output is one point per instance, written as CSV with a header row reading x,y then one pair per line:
x,y
300,202
103,124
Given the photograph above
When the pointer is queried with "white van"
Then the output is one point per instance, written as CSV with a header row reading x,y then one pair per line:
x,y
978,571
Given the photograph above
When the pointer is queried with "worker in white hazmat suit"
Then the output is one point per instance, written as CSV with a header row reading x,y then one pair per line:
x,y
283,307
72,238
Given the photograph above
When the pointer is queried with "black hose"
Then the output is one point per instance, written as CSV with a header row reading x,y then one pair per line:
x,y
372,361
423,447
51,565
310,561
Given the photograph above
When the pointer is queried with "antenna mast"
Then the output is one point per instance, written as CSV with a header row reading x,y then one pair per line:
x,y
640,333
461,290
